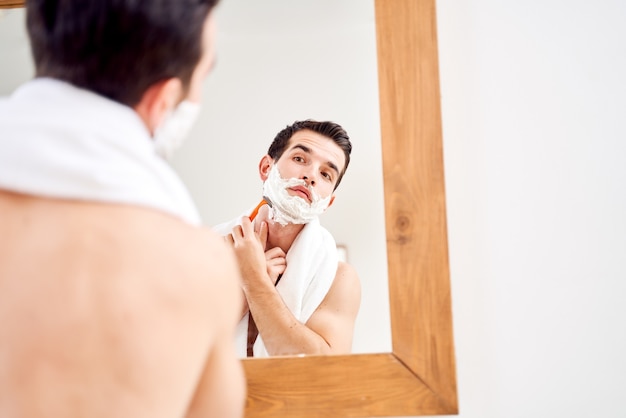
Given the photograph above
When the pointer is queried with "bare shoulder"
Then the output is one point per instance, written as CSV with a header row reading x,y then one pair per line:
x,y
153,254
198,248
196,255
345,292
347,282
346,272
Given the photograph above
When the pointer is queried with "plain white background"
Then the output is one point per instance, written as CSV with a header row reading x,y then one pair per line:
x,y
534,122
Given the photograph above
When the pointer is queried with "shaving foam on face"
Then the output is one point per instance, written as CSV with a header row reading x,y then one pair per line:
x,y
288,209
175,128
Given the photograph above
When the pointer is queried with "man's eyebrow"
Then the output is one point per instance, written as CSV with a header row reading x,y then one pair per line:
x,y
302,147
306,149
333,166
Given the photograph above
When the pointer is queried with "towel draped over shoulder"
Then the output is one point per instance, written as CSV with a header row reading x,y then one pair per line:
x,y
60,141
311,268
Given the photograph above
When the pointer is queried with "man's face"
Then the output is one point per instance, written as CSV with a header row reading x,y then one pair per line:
x,y
314,158
205,65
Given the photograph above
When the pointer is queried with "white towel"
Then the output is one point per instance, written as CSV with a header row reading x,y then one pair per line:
x,y
60,141
311,268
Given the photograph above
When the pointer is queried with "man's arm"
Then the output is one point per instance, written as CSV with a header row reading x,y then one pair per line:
x,y
276,265
330,328
334,318
220,391
328,331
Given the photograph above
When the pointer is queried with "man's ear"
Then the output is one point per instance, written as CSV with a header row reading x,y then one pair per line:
x,y
265,165
157,101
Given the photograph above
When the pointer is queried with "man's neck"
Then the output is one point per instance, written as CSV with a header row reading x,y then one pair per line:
x,y
279,235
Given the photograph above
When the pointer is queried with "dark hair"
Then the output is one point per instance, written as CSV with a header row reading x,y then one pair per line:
x,y
117,48
331,130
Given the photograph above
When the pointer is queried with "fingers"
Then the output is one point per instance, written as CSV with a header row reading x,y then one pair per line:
x,y
248,229
247,226
274,253
237,232
277,263
276,267
263,233
243,231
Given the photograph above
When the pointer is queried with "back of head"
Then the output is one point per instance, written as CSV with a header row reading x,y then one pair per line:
x,y
330,130
117,48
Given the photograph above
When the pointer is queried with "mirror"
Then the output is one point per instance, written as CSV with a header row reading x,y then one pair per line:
x,y
301,69
418,377
276,64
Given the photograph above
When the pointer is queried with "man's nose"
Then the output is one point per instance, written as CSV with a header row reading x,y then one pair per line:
x,y
309,179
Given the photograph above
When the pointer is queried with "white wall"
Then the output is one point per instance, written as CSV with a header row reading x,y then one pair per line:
x,y
534,122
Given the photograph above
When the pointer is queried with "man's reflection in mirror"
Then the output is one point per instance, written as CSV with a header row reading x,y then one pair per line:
x,y
298,297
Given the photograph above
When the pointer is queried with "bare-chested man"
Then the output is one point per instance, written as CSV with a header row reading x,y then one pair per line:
x,y
114,302
299,299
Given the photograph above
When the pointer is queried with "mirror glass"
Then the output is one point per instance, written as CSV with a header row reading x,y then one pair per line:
x,y
279,61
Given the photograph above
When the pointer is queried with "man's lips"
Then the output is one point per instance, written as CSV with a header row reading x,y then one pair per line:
x,y
303,192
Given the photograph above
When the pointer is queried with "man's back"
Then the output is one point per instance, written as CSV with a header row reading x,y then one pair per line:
x,y
112,310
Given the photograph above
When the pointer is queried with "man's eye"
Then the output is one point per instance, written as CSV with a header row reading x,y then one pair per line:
x,y
327,176
298,159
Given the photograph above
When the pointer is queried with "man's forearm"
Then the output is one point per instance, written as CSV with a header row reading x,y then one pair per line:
x,y
282,333
244,306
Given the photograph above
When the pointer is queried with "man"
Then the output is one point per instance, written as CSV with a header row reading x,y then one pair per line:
x,y
113,301
299,299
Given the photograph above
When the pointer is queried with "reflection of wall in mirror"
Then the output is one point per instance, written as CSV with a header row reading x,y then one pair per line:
x,y
277,63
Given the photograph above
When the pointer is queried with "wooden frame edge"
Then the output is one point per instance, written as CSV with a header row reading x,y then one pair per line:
x,y
363,385
11,4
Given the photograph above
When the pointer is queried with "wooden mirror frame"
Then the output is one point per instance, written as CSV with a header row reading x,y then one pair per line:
x,y
419,376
